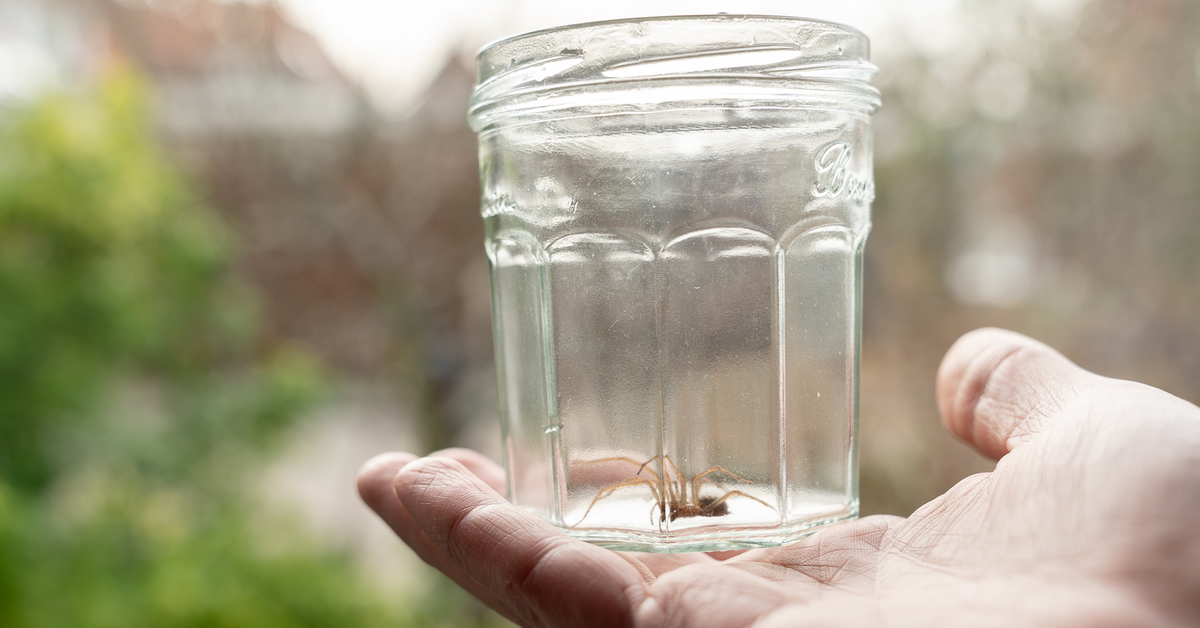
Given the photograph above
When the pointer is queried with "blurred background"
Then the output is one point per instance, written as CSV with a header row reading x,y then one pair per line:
x,y
240,253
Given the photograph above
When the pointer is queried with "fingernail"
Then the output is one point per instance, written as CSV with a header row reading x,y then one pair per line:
x,y
391,461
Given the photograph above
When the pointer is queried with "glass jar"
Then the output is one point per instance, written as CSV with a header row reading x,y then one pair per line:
x,y
675,212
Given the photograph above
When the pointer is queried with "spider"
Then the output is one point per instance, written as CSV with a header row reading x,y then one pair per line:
x,y
669,487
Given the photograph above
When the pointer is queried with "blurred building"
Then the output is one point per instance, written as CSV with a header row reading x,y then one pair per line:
x,y
361,233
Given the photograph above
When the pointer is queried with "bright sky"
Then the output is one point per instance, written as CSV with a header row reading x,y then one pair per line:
x,y
395,47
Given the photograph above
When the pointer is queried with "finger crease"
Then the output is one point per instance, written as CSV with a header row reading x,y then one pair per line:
x,y
525,572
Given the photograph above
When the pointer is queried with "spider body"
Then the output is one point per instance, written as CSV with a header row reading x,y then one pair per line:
x,y
676,496
708,506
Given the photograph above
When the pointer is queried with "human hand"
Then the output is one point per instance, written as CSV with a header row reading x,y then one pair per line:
x,y
1091,518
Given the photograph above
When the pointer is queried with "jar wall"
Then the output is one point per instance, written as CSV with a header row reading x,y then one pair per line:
x,y
675,299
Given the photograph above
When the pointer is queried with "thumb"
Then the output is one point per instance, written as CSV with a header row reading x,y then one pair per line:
x,y
997,388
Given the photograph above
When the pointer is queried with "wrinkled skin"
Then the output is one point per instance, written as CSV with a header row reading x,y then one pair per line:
x,y
1091,518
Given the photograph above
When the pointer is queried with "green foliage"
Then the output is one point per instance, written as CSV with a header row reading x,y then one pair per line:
x,y
136,397
144,556
106,264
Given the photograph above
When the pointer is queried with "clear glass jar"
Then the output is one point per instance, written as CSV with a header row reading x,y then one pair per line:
x,y
675,212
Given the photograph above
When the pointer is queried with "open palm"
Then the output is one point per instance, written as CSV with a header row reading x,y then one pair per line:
x,y
1091,518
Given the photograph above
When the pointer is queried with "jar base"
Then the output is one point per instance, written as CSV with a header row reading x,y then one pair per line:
x,y
706,540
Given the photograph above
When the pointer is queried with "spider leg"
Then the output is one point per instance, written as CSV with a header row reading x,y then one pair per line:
x,y
725,471
677,498
698,480
672,494
640,466
665,485
667,460
661,475
609,490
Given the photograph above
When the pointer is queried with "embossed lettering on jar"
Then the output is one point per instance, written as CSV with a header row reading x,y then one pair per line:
x,y
675,211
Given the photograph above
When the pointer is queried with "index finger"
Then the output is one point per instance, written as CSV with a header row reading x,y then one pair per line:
x,y
544,577
376,484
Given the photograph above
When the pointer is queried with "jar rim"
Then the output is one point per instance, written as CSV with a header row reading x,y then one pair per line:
x,y
541,32
642,53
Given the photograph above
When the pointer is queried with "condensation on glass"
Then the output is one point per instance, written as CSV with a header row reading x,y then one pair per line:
x,y
675,212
